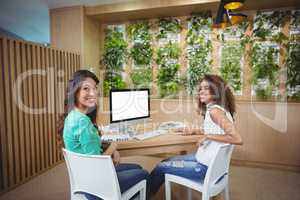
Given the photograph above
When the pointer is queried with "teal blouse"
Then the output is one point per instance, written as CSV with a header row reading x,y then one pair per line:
x,y
80,135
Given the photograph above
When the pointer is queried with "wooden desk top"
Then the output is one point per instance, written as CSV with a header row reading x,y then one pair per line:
x,y
170,142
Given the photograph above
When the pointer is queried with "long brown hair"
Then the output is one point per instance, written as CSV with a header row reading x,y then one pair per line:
x,y
73,88
220,92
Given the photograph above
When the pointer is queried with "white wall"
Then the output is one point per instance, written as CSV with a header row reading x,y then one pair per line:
x,y
29,19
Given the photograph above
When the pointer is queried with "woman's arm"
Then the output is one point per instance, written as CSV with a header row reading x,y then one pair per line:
x,y
231,135
190,131
110,149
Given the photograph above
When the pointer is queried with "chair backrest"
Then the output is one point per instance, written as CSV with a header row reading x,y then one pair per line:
x,y
219,166
94,174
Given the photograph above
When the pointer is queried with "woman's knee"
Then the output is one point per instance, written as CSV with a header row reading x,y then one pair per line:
x,y
127,166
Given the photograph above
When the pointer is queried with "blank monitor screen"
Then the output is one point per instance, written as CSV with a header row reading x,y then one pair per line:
x,y
129,104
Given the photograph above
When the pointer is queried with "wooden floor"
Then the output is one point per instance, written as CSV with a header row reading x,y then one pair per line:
x,y
245,184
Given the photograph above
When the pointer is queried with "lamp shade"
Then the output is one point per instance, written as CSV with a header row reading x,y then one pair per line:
x,y
236,18
226,17
232,4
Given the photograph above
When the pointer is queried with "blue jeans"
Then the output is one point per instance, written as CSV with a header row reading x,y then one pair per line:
x,y
128,175
185,166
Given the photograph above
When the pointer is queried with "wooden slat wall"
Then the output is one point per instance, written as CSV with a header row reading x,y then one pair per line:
x,y
29,113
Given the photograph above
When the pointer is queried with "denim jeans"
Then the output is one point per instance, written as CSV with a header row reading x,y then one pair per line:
x,y
185,166
128,175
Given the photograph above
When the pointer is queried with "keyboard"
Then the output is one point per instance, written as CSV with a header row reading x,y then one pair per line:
x,y
115,137
171,125
150,134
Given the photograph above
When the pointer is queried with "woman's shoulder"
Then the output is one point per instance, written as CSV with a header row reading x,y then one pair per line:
x,y
215,107
75,118
217,110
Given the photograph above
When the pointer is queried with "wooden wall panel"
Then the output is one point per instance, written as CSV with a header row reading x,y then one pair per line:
x,y
66,28
8,111
31,94
71,30
3,154
24,97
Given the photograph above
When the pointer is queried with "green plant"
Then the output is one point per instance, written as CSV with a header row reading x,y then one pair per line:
x,y
231,57
114,57
142,77
295,25
263,59
115,50
139,31
167,60
199,22
168,25
113,81
293,69
169,51
141,53
263,56
237,32
293,57
167,80
267,25
199,49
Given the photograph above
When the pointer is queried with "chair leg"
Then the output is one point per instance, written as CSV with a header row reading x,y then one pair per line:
x,y
168,190
143,194
226,192
189,193
205,196
78,197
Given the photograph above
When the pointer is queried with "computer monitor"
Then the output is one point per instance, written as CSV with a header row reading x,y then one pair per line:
x,y
129,105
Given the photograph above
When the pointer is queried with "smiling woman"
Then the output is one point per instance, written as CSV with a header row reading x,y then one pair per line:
x,y
217,105
80,132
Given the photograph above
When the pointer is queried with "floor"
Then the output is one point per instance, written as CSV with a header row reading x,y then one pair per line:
x,y
245,184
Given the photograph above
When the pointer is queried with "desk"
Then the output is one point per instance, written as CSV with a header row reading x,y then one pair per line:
x,y
166,143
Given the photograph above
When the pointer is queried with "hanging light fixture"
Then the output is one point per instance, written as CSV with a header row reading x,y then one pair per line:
x,y
222,17
232,4
225,16
236,18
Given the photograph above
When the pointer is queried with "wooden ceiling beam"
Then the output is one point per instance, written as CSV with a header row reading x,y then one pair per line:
x,y
146,9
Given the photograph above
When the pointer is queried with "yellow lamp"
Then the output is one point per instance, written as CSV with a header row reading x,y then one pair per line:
x,y
232,5
236,18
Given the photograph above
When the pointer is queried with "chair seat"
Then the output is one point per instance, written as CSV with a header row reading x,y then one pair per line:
x,y
216,178
96,175
134,189
196,185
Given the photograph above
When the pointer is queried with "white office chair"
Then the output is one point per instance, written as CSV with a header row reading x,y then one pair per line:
x,y
216,178
96,175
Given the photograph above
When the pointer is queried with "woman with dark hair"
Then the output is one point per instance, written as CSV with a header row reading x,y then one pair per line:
x,y
217,106
80,132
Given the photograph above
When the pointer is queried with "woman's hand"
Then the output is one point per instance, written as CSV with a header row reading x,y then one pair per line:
x,y
189,131
201,141
116,157
111,149
113,146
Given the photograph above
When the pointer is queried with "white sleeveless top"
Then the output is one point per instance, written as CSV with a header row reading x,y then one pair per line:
x,y
206,151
